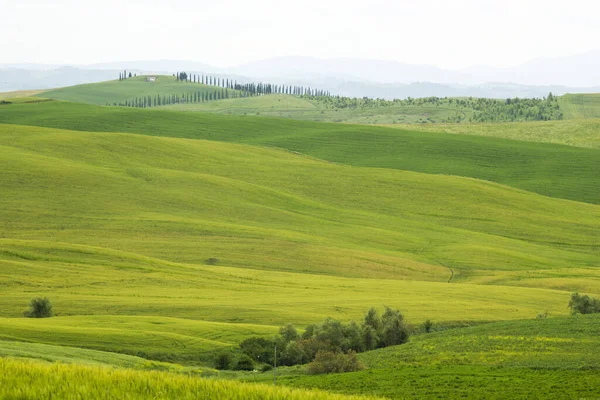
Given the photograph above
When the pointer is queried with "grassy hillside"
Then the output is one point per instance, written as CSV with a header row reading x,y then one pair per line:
x,y
419,111
116,229
74,355
270,105
172,192
107,301
535,359
287,106
19,94
578,133
579,106
34,380
157,338
552,170
196,232
119,91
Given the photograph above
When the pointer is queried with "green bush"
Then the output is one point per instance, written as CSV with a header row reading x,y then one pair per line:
x,y
245,363
427,325
266,368
211,261
223,361
39,308
258,349
584,304
327,362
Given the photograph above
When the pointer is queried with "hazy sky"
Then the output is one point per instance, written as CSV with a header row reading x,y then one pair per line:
x,y
454,34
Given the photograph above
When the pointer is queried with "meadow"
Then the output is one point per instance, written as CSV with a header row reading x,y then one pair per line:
x,y
34,380
529,359
552,170
578,133
580,106
118,231
293,107
165,237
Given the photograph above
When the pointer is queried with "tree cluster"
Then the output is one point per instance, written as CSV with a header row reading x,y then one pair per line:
x,y
123,75
484,110
584,304
511,110
329,337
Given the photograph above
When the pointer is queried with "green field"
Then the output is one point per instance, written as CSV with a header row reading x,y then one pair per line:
x,y
287,106
74,355
34,380
164,237
552,170
580,106
536,359
578,133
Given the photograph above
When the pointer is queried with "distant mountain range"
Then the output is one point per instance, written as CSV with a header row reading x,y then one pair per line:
x,y
349,77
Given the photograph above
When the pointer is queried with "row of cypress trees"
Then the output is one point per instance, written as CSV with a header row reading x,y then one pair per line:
x,y
184,98
253,89
228,88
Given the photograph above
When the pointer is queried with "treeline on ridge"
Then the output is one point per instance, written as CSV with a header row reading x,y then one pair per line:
x,y
479,109
483,110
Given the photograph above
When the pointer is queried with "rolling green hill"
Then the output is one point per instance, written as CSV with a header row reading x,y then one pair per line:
x,y
78,183
117,230
119,91
535,359
552,170
74,355
578,133
287,106
580,106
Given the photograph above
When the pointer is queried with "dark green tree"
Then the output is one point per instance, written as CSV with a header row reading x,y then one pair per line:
x,y
39,308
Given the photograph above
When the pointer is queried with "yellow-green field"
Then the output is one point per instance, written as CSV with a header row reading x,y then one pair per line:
x,y
19,94
163,238
34,380
579,133
116,230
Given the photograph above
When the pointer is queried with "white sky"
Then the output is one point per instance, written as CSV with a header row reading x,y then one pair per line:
x,y
451,34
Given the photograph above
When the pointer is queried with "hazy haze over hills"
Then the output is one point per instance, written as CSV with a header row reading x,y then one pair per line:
x,y
345,76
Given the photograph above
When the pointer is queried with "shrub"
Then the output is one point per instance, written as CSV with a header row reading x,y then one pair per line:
x,y
266,368
245,363
288,333
584,304
543,315
39,308
211,261
223,361
327,362
427,325
258,349
394,332
294,354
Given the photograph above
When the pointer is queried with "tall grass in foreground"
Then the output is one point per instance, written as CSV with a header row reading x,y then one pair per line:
x,y
33,380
